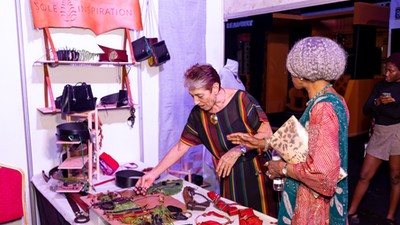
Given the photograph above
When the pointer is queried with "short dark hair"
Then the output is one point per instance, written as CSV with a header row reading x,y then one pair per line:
x,y
201,75
395,59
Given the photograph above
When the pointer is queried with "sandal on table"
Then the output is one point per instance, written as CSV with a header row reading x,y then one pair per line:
x,y
353,219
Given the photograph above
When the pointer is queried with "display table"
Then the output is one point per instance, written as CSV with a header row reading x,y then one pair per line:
x,y
62,206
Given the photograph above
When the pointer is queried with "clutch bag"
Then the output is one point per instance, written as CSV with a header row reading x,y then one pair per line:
x,y
291,142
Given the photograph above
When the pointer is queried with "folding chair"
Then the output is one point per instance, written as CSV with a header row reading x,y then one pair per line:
x,y
12,194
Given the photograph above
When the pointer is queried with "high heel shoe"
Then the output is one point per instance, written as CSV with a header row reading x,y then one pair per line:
x,y
353,219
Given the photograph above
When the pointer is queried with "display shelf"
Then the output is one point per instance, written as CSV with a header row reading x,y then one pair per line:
x,y
70,188
49,110
76,162
50,60
68,142
53,63
93,146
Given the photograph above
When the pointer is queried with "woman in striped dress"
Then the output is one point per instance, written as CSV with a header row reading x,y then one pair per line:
x,y
217,113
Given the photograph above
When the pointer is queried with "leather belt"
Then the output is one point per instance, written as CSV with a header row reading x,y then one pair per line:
x,y
221,205
211,222
80,216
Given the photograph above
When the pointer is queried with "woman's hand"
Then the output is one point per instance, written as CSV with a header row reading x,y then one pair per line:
x,y
246,140
275,168
385,99
145,182
227,161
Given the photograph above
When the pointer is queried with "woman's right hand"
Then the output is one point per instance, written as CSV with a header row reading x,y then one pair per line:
x,y
145,182
246,140
385,100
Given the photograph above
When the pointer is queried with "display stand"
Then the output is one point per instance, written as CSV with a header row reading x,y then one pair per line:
x,y
68,15
92,146
53,61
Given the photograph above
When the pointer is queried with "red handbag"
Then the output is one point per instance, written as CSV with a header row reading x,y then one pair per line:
x,y
108,164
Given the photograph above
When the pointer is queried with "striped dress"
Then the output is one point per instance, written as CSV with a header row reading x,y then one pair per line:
x,y
245,184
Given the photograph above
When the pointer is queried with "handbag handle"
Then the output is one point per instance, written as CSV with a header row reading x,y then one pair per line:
x,y
72,90
86,90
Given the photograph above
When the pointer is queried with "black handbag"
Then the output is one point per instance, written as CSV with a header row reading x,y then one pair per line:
x,y
77,98
160,54
141,49
119,99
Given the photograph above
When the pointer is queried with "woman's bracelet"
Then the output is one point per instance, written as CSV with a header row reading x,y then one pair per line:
x,y
267,141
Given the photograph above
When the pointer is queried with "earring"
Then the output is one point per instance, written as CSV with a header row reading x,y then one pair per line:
x,y
301,78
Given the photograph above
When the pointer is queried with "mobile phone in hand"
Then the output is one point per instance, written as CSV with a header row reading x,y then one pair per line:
x,y
387,94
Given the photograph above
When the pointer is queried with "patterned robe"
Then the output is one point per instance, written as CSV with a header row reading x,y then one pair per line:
x,y
246,184
326,120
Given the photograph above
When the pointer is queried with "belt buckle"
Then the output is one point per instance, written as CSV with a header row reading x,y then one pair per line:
x,y
81,217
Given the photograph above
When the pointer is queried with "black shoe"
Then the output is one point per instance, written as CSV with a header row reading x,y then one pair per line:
x,y
353,219
390,222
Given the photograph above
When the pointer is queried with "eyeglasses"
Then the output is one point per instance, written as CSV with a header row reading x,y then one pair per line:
x,y
132,117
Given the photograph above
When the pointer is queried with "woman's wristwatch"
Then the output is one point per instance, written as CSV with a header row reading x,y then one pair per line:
x,y
243,149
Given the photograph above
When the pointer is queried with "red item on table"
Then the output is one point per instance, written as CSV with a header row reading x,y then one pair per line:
x,y
221,205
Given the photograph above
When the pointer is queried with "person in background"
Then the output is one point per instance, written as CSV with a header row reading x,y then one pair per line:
x,y
218,112
312,194
384,144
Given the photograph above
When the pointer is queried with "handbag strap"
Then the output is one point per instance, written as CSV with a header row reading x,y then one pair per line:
x,y
86,90
210,222
150,20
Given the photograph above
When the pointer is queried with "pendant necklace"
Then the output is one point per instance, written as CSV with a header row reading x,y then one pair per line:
x,y
318,94
213,118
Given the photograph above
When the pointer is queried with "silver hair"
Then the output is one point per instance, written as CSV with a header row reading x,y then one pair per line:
x,y
317,58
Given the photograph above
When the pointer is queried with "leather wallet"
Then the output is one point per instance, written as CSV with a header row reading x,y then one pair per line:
x,y
112,55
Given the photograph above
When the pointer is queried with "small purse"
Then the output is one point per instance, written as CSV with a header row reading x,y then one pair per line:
x,y
112,55
141,49
160,54
291,141
108,164
77,98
